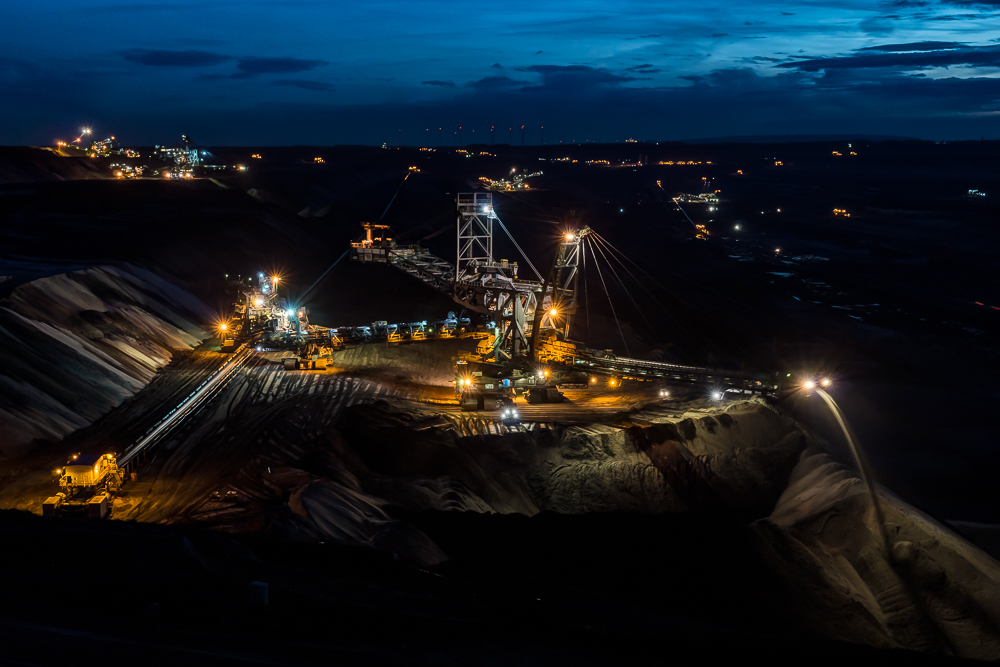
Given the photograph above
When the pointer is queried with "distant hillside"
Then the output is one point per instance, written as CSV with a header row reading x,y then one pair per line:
x,y
31,164
794,138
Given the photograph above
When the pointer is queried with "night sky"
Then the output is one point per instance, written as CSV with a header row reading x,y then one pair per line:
x,y
302,72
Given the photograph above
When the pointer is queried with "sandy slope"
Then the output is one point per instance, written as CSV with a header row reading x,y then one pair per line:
x,y
810,514
339,467
75,345
931,591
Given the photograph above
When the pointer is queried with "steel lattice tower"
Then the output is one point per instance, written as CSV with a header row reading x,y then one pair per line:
x,y
475,231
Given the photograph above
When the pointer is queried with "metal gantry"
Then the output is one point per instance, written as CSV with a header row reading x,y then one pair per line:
x,y
562,301
475,231
478,282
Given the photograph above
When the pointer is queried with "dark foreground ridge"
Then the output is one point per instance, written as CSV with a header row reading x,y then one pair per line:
x,y
589,589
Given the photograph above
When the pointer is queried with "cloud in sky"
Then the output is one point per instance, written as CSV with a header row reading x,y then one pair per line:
x,y
985,56
494,83
611,68
247,66
986,4
304,84
253,66
165,58
579,78
914,46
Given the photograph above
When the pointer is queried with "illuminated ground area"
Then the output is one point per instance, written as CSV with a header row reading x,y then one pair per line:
x,y
375,455
392,527
723,514
355,458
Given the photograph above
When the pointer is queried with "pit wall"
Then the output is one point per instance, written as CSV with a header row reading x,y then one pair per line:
x,y
929,590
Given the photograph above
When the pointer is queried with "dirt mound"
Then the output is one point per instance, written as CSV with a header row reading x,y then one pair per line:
x,y
381,466
417,460
75,345
932,590
29,164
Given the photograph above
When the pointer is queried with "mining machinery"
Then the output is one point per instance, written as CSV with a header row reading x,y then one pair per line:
x,y
524,326
90,472
258,308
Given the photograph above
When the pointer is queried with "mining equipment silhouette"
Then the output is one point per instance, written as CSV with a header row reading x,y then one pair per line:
x,y
524,326
522,330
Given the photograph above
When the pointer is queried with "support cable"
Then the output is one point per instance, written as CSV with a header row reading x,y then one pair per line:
x,y
303,295
748,354
586,293
706,320
686,215
670,314
440,231
394,196
523,254
611,266
612,304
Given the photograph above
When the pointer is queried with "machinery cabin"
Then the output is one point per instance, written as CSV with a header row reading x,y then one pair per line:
x,y
373,248
88,472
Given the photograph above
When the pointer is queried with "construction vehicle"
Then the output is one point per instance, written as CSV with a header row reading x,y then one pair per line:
x,y
373,249
537,395
478,383
228,335
90,473
258,309
311,357
508,411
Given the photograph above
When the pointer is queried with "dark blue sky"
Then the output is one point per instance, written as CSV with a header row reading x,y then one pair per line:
x,y
303,72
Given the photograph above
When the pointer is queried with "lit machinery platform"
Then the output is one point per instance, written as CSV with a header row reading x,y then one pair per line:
x,y
525,325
